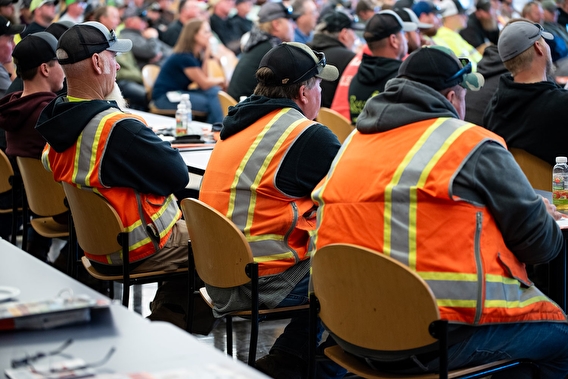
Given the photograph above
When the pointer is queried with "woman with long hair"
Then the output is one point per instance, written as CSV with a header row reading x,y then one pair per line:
x,y
186,66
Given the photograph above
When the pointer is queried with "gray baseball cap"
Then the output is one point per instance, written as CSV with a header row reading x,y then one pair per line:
x,y
518,36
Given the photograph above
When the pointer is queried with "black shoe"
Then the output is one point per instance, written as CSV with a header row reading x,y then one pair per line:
x,y
281,365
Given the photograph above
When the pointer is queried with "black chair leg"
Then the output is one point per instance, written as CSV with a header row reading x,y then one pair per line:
x,y
253,341
229,331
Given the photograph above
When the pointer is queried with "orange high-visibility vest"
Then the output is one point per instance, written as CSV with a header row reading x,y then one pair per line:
x,y
392,192
148,218
240,183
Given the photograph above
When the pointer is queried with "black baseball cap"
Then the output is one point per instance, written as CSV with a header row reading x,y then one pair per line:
x,y
7,2
336,21
59,27
439,68
483,5
83,40
293,62
34,50
385,23
9,29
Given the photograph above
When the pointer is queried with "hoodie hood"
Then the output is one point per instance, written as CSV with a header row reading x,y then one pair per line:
x,y
403,102
247,112
258,36
61,122
323,41
376,69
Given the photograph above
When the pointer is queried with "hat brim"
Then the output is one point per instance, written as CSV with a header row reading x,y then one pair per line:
x,y
329,73
473,81
121,46
357,26
15,29
547,35
409,26
423,25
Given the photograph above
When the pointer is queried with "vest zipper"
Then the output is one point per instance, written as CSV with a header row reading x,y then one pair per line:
x,y
480,273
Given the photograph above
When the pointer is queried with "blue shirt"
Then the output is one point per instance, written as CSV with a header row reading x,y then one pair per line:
x,y
301,37
172,77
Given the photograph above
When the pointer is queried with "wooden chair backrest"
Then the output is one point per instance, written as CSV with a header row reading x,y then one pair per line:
x,y
371,300
537,171
6,171
226,101
149,75
214,69
220,250
45,196
96,222
336,122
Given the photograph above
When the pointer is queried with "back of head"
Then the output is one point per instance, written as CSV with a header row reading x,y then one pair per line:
x,y
58,28
288,66
271,11
34,50
336,21
380,27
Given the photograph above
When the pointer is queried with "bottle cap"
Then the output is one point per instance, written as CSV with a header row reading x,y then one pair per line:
x,y
561,160
184,96
181,106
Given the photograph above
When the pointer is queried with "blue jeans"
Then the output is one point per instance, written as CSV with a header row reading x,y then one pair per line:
x,y
201,100
295,338
546,343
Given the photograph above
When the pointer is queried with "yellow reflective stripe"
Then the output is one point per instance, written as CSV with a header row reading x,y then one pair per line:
x,y
263,168
448,276
265,237
500,279
243,163
456,303
514,304
45,158
76,160
274,257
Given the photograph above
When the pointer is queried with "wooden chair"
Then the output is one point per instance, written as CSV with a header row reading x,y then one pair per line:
x,y
45,198
226,101
100,231
222,258
374,302
9,181
335,121
537,171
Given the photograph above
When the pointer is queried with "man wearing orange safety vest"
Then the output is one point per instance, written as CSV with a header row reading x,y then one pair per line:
x,y
92,144
261,173
447,199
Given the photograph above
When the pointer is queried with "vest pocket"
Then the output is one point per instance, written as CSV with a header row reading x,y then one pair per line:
x,y
515,268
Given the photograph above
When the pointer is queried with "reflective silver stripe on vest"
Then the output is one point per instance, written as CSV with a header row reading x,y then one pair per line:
x,y
400,210
250,172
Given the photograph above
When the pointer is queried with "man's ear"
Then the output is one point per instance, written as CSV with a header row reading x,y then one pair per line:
x,y
303,94
394,42
43,69
97,62
539,47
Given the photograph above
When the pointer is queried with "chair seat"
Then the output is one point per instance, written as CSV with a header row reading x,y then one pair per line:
x,y
133,277
359,367
279,312
49,228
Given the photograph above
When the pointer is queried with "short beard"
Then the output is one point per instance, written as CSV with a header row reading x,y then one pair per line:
x,y
430,32
489,24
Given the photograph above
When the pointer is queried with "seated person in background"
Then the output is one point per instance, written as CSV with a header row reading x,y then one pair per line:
x,y
184,67
74,10
42,77
306,18
43,13
226,31
188,10
146,46
274,26
271,136
114,154
241,23
482,29
433,197
385,36
335,37
526,108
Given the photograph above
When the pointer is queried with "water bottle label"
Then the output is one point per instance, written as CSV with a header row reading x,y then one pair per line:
x,y
560,191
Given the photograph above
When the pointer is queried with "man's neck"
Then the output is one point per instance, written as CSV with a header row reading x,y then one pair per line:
x,y
532,75
35,86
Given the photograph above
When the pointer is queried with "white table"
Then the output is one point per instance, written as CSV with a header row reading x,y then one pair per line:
x,y
157,122
141,345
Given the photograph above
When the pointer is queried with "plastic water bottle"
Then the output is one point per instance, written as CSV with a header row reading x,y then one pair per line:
x,y
187,102
560,185
181,120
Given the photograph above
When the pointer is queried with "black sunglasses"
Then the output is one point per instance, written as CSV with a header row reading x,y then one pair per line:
x,y
540,30
318,66
466,69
